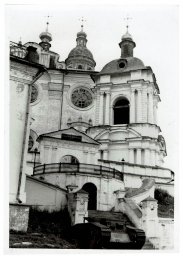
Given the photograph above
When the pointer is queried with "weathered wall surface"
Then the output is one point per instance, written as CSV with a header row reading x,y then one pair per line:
x,y
166,233
18,217
20,78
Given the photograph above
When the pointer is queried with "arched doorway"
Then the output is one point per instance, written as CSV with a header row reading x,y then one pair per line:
x,y
69,159
121,111
92,191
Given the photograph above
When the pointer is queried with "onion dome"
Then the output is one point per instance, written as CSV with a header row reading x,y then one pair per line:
x,y
127,45
127,36
80,57
46,38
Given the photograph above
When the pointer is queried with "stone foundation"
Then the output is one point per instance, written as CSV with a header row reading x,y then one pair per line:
x,y
18,217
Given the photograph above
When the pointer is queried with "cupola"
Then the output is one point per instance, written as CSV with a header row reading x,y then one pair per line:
x,y
46,38
127,45
80,57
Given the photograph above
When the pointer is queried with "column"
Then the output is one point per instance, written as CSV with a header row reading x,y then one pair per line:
x,y
131,155
107,108
138,156
85,160
147,157
150,108
152,157
132,107
54,152
105,156
155,114
101,104
139,107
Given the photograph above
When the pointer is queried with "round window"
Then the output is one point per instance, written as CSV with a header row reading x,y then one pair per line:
x,y
81,97
34,94
122,64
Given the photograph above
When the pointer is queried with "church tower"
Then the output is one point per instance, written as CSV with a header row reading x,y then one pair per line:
x,y
127,97
80,57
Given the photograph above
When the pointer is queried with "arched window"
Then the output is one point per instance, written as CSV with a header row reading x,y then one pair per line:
x,y
80,67
30,143
121,111
34,94
69,159
92,191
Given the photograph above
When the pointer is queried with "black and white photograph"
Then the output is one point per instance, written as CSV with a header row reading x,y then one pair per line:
x,y
93,126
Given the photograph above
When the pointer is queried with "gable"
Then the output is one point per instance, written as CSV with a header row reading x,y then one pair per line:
x,y
70,134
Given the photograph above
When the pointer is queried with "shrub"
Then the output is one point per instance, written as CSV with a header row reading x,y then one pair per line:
x,y
57,222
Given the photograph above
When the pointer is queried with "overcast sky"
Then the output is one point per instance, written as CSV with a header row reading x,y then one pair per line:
x,y
154,29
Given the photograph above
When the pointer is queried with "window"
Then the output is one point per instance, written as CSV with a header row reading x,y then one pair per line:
x,y
30,143
69,159
122,64
81,97
34,94
121,111
80,67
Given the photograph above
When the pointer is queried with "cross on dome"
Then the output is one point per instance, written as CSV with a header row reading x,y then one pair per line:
x,y
82,23
127,22
47,23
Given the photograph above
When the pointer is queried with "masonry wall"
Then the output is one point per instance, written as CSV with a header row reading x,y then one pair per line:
x,y
20,78
44,196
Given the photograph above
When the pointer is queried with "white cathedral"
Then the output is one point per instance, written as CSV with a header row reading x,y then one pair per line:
x,y
77,131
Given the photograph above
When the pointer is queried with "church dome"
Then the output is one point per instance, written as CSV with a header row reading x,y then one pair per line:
x,y
80,57
122,65
127,36
81,33
79,51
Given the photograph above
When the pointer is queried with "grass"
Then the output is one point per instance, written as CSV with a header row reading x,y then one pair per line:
x,y
45,230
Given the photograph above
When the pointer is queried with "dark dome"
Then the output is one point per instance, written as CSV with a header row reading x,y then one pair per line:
x,y
79,51
122,65
81,33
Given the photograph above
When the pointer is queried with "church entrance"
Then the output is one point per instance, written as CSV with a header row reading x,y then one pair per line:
x,y
92,191
121,111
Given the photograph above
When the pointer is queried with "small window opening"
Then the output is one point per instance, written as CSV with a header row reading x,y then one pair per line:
x,y
80,67
122,64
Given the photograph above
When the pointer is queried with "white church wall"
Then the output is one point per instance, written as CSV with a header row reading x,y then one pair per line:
x,y
20,78
45,111
73,81
105,187
43,196
53,152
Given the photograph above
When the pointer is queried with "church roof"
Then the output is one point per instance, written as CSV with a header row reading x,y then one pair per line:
x,y
70,134
131,63
80,51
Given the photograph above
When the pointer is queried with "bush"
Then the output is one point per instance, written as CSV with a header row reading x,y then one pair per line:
x,y
57,222
165,203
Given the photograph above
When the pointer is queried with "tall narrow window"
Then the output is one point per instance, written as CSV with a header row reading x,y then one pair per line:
x,y
101,154
104,107
121,111
136,105
135,156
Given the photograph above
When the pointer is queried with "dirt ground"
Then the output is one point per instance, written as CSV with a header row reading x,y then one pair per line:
x,y
39,240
